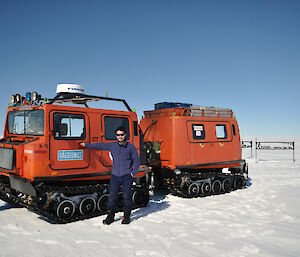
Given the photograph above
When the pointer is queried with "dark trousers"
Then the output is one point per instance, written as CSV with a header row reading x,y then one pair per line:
x,y
115,185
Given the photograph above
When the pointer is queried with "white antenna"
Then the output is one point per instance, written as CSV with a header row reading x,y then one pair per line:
x,y
69,88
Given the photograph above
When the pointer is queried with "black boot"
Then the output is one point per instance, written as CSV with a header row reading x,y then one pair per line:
x,y
110,218
126,218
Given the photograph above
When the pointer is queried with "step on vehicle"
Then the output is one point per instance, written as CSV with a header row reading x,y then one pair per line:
x,y
42,166
193,150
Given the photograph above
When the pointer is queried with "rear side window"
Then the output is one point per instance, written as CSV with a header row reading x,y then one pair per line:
x,y
69,126
221,131
198,131
233,129
112,123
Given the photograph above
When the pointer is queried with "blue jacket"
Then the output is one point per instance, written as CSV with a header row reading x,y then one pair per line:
x,y
125,157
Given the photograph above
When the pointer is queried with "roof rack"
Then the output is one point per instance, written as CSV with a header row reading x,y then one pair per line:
x,y
196,110
193,110
76,98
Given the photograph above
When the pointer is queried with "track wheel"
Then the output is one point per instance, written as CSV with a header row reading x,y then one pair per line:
x,y
216,187
42,200
226,185
87,206
238,183
193,190
102,203
205,188
65,209
140,198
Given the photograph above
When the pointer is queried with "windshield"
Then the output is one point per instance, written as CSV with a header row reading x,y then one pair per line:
x,y
27,122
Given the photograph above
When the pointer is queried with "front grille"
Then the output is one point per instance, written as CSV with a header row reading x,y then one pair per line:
x,y
7,158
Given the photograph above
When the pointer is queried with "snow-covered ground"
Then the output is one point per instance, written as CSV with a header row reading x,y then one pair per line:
x,y
262,220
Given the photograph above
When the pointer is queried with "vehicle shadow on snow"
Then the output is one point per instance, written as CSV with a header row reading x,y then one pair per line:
x,y
157,203
7,206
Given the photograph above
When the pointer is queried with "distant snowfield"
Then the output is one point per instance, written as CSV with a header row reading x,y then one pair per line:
x,y
261,220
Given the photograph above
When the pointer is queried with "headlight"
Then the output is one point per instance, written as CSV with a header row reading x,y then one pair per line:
x,y
18,98
12,99
35,96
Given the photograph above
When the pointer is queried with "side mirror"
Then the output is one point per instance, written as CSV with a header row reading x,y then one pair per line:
x,y
63,129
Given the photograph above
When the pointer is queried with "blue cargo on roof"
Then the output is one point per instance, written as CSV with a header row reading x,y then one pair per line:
x,y
165,105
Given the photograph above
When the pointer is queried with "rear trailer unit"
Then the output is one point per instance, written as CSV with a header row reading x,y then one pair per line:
x,y
194,150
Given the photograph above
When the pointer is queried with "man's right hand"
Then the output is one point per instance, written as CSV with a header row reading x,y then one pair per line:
x,y
82,144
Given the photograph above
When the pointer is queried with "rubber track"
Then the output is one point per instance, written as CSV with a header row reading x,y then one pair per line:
x,y
46,213
176,190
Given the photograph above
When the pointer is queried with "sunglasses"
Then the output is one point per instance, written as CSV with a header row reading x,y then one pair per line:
x,y
120,135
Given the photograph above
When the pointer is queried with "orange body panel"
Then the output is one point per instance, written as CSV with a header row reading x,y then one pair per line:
x,y
191,141
38,157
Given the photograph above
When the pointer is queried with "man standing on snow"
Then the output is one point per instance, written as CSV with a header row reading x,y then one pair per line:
x,y
125,166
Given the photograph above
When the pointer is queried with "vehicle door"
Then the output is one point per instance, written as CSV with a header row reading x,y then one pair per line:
x,y
68,130
109,123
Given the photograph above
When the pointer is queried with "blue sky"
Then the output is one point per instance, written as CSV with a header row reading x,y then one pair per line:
x,y
243,55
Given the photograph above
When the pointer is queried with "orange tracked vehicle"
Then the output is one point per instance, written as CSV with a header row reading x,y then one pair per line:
x,y
42,166
194,150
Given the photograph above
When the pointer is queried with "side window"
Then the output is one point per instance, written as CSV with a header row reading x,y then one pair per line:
x,y
112,123
221,131
198,131
69,126
233,129
135,128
